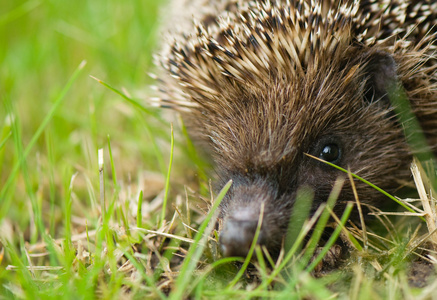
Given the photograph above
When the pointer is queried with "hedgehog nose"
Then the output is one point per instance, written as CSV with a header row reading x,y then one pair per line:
x,y
237,236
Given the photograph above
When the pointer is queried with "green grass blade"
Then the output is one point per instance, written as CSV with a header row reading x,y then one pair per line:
x,y
114,175
156,149
251,250
149,279
167,181
140,211
413,131
333,237
5,134
18,12
366,182
196,249
300,212
39,131
134,102
3,142
321,223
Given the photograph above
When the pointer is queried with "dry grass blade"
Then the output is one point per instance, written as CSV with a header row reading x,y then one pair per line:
x,y
35,268
360,211
428,202
158,233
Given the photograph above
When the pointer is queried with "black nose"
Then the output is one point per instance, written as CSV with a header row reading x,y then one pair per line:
x,y
237,236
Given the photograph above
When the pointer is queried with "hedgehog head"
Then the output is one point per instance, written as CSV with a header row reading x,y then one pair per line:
x,y
274,81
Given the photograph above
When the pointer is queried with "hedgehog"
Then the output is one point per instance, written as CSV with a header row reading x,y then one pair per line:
x,y
264,83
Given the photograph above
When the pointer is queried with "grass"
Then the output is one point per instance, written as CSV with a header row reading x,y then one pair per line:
x,y
86,169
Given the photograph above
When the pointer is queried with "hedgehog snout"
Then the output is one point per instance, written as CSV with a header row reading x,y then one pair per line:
x,y
238,233
237,236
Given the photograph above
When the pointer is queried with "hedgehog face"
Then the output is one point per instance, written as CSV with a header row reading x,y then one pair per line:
x,y
274,191
273,186
265,147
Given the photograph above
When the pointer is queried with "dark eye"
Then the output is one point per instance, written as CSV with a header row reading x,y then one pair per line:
x,y
330,153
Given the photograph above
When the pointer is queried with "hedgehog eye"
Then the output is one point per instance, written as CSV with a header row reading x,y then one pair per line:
x,y
330,153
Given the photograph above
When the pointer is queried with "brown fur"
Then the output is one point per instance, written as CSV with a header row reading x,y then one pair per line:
x,y
277,80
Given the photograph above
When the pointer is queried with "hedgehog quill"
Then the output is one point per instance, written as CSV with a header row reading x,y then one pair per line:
x,y
266,82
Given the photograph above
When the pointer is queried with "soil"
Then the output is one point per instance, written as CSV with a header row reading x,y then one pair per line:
x,y
420,273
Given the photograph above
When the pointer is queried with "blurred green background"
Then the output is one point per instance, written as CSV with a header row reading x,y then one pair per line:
x,y
41,45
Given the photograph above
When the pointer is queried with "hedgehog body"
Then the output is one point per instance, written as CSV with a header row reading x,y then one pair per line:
x,y
266,82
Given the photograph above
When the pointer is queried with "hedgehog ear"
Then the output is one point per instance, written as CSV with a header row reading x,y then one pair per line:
x,y
381,71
